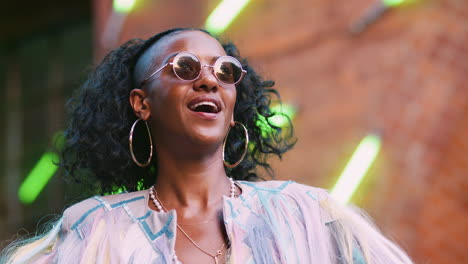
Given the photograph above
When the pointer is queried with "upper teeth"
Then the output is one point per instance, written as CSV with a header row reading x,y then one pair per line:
x,y
204,103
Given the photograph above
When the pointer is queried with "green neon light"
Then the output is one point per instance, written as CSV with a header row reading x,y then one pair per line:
x,y
393,2
38,178
282,112
223,15
356,169
123,6
117,189
140,185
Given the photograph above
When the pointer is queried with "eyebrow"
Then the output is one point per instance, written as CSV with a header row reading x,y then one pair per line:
x,y
211,59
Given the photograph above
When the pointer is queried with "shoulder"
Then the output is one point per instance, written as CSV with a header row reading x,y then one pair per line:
x,y
288,188
84,211
355,237
308,199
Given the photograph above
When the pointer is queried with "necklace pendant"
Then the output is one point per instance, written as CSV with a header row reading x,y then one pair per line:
x,y
216,259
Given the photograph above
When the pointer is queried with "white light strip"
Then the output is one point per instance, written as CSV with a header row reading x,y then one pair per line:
x,y
224,14
356,169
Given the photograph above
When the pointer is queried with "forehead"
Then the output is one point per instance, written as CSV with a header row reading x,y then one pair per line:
x,y
196,42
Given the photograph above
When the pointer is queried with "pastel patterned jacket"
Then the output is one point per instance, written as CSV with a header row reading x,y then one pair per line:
x,y
270,222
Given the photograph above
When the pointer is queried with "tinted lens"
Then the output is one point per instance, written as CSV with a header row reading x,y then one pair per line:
x,y
228,70
186,66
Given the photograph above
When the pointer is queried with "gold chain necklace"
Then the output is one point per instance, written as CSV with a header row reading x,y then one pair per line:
x,y
160,207
202,222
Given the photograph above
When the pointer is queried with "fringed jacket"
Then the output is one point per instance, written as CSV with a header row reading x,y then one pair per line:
x,y
270,222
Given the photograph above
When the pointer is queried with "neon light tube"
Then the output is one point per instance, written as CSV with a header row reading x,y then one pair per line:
x,y
356,169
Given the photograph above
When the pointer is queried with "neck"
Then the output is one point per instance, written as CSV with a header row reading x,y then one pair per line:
x,y
191,181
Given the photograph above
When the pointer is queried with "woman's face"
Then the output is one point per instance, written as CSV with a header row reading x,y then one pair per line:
x,y
200,110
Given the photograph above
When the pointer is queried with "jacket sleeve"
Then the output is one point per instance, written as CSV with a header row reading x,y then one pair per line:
x,y
39,249
356,238
62,243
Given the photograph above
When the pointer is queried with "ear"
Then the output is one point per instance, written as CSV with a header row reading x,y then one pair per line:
x,y
232,121
140,103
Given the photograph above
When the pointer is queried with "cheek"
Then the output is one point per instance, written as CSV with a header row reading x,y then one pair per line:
x,y
166,95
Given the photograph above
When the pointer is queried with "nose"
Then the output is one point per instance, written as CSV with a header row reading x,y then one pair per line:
x,y
206,81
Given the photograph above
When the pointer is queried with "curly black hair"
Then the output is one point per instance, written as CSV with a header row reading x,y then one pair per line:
x,y
96,151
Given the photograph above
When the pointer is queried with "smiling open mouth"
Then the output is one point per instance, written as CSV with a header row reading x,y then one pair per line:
x,y
205,106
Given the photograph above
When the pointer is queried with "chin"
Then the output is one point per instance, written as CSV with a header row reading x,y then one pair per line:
x,y
208,136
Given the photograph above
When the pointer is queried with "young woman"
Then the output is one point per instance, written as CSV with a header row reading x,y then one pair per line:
x,y
184,118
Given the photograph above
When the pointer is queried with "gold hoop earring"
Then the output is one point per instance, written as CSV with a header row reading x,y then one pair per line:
x,y
246,146
130,142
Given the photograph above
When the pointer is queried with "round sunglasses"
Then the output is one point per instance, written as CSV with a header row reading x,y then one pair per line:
x,y
187,67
